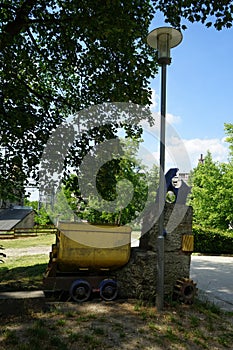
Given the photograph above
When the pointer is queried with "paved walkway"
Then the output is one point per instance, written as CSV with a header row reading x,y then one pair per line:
x,y
214,277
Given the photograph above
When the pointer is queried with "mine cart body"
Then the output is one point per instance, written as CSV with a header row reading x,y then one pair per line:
x,y
85,256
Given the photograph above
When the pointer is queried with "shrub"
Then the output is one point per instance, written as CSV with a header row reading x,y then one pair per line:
x,y
212,241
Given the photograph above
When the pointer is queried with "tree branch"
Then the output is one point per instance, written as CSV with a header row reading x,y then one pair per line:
x,y
34,42
13,28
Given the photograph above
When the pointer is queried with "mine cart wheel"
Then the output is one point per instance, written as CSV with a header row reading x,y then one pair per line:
x,y
185,290
80,291
108,290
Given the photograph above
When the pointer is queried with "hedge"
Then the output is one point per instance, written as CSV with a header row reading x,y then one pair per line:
x,y
212,241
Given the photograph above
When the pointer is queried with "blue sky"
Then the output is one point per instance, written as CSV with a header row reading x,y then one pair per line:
x,y
199,89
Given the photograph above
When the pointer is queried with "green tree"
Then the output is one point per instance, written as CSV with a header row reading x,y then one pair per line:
x,y
211,196
59,57
42,216
206,182
125,180
216,13
228,176
229,132
225,201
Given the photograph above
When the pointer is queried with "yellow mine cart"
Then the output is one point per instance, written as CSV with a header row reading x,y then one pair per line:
x,y
92,247
83,258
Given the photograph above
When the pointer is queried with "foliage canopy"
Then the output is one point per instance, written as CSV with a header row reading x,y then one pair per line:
x,y
212,189
58,57
229,138
216,13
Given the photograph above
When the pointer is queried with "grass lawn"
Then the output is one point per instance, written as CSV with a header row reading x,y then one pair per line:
x,y
26,242
24,272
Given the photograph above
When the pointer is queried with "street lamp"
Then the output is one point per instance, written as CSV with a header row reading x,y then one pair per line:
x,y
162,39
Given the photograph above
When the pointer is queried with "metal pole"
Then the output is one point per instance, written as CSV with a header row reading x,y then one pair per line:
x,y
162,196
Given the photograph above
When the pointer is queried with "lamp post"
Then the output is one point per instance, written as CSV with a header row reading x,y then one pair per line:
x,y
162,39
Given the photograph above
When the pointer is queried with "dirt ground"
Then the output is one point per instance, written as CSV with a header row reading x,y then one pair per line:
x,y
122,324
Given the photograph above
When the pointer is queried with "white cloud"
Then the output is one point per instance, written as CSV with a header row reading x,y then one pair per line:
x,y
184,154
217,147
173,119
180,153
170,118
175,146
154,100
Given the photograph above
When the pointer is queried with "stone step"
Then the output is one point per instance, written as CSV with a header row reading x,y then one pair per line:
x,y
21,302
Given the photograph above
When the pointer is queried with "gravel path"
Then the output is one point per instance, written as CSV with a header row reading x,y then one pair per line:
x,y
11,252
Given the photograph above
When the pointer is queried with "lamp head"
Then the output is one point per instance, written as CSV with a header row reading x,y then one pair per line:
x,y
163,39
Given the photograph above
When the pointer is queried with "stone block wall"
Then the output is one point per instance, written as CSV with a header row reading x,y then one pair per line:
x,y
138,279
